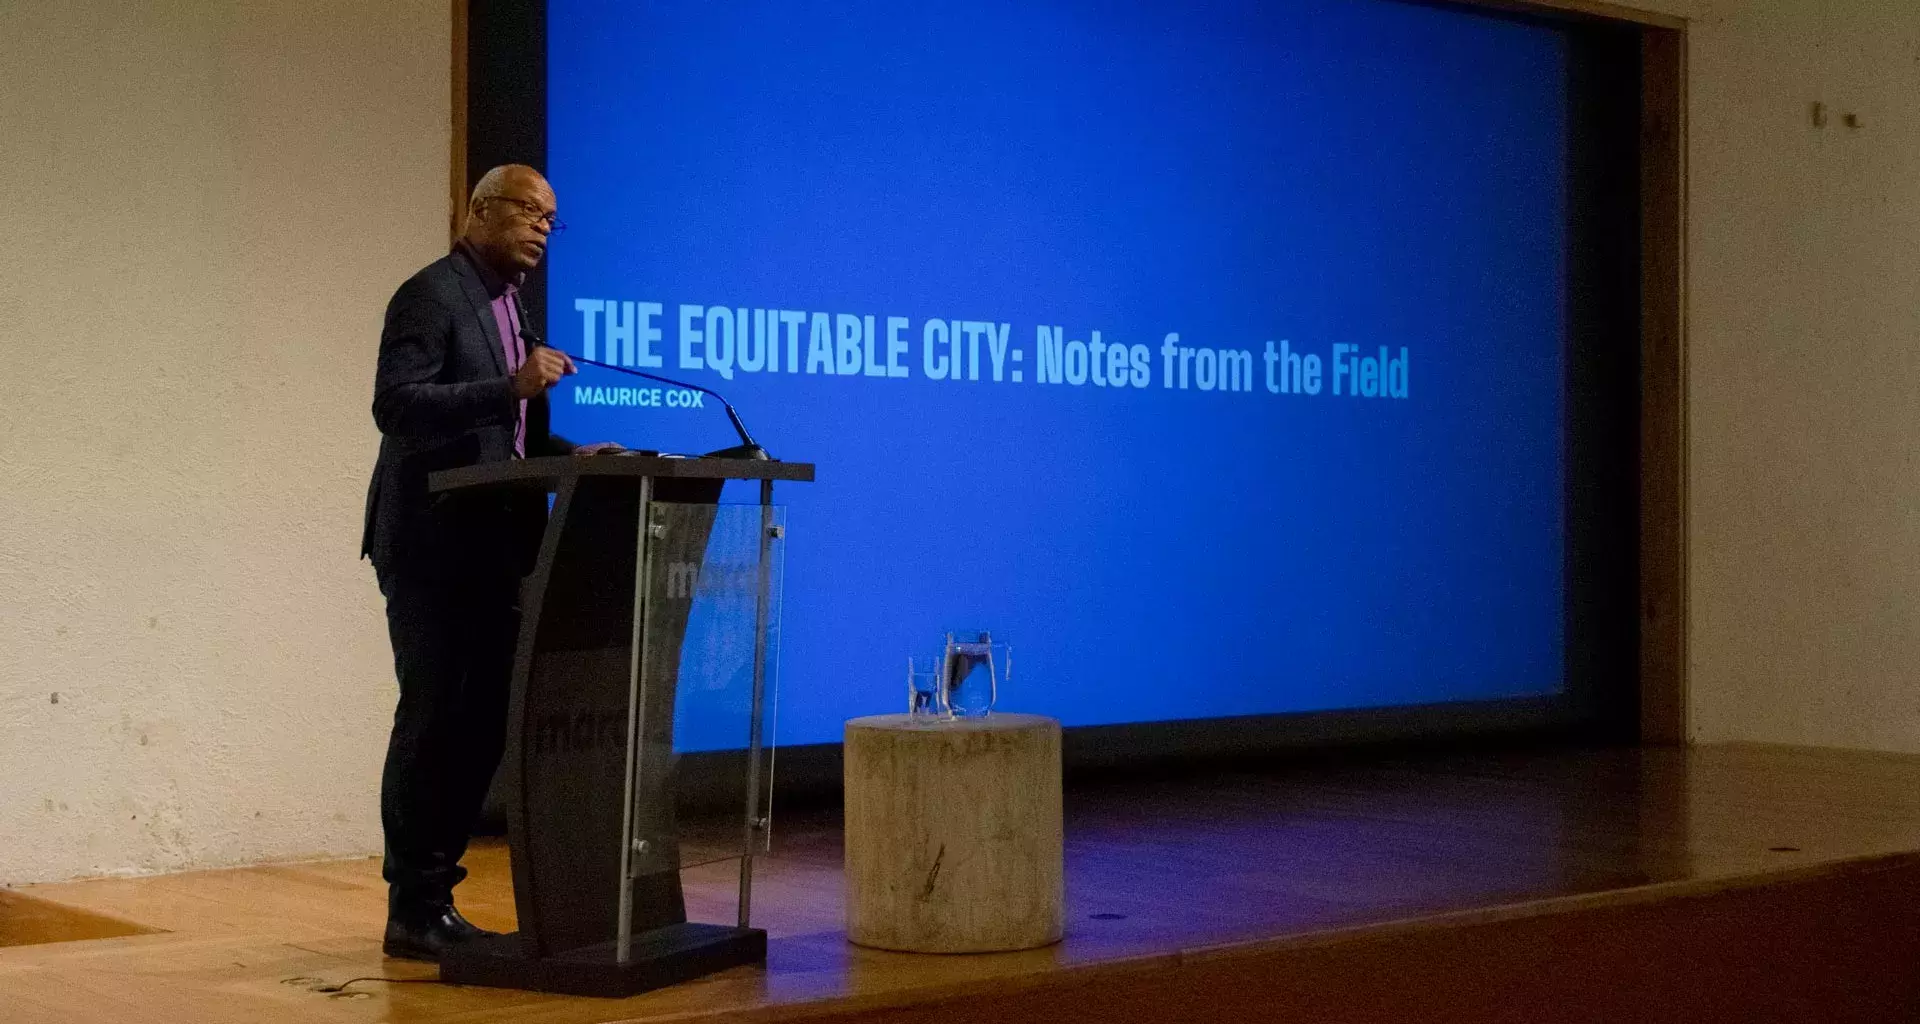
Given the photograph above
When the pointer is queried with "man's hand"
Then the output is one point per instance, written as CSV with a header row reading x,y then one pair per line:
x,y
598,448
543,369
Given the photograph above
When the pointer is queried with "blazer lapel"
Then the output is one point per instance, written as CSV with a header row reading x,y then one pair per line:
x,y
482,309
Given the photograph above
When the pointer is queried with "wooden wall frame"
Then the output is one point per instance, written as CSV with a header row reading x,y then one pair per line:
x,y
1663,608
1663,385
457,142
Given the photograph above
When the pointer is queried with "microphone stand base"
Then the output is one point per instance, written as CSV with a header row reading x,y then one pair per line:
x,y
741,451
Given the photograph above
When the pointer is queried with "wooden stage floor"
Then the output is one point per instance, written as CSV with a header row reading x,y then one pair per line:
x,y
1155,869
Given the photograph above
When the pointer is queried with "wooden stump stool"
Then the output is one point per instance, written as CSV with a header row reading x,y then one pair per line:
x,y
953,833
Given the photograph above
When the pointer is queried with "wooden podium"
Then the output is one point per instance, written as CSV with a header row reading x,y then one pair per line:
x,y
589,758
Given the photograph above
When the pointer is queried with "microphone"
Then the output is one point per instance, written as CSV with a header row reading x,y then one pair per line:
x,y
746,449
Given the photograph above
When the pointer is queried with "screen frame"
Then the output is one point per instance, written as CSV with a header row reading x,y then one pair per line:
x,y
1624,606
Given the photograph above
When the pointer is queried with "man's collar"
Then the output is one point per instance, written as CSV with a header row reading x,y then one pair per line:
x,y
490,279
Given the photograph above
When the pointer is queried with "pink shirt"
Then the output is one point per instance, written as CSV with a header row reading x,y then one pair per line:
x,y
506,315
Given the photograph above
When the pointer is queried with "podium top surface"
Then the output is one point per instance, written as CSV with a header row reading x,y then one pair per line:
x,y
548,470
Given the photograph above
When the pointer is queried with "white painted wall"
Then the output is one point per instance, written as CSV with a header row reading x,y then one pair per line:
x,y
208,204
1804,377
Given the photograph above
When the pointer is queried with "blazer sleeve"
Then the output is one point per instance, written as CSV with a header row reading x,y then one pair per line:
x,y
408,397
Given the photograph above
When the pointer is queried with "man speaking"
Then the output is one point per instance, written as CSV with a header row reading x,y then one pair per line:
x,y
456,385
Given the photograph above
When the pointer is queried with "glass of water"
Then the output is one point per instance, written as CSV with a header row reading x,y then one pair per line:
x,y
924,699
973,668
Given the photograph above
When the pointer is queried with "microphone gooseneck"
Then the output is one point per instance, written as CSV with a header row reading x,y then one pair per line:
x,y
746,449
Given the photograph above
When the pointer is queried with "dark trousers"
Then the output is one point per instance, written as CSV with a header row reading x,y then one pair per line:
x,y
453,633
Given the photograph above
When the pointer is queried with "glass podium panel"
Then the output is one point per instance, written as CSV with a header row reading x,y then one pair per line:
x,y
701,805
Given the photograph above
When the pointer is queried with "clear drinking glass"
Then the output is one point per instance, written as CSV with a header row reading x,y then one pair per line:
x,y
973,668
923,687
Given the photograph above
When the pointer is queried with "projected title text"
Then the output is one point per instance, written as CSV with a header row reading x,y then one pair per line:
x,y
733,340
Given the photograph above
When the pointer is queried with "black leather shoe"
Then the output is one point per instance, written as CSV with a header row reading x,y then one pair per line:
x,y
428,933
465,929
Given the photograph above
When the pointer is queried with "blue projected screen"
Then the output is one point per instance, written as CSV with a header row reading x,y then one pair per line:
x,y
1212,356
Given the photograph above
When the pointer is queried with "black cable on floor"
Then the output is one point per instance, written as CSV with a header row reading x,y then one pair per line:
x,y
342,987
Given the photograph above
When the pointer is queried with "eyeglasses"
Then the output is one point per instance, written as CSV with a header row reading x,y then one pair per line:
x,y
535,214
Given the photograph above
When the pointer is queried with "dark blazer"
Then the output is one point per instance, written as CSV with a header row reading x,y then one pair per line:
x,y
442,398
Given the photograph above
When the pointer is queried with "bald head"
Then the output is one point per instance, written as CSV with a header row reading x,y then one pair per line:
x,y
509,218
